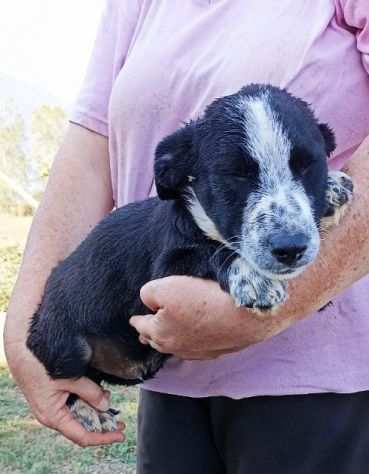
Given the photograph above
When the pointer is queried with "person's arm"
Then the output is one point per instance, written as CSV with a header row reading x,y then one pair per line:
x,y
78,195
194,319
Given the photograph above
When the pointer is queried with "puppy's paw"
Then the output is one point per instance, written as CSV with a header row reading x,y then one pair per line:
x,y
251,289
108,420
93,420
339,194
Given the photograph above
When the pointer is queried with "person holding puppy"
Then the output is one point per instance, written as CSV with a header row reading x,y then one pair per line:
x,y
285,393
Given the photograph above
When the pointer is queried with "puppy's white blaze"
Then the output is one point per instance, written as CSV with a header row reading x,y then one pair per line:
x,y
202,220
266,140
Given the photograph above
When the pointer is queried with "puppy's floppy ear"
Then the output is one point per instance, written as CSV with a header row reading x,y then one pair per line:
x,y
174,158
329,138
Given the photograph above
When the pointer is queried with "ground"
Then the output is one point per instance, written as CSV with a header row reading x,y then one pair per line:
x,y
28,448
13,233
25,446
13,229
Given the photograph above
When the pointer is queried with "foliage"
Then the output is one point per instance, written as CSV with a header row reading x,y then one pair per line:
x,y
48,125
10,258
28,448
27,149
12,155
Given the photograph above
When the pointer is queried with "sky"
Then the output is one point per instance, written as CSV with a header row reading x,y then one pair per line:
x,y
47,42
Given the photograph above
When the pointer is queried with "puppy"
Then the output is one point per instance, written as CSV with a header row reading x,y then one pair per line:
x,y
242,192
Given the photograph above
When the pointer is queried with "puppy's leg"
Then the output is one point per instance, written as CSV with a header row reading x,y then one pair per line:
x,y
339,194
253,290
92,419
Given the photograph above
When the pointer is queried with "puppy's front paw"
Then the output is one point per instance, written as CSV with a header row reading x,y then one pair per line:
x,y
93,420
339,194
253,290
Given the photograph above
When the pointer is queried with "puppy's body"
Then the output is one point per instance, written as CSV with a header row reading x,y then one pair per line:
x,y
242,192
90,297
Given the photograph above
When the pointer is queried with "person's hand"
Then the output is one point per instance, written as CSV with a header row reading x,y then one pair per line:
x,y
194,319
47,398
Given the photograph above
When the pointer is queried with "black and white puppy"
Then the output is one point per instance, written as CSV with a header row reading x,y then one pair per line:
x,y
241,194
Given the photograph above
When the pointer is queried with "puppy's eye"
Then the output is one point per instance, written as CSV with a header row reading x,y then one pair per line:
x,y
301,167
305,168
248,171
301,163
244,176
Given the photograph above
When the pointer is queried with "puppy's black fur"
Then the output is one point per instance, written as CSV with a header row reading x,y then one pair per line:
x,y
82,324
93,292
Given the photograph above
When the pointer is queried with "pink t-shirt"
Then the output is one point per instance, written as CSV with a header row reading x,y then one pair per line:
x,y
157,63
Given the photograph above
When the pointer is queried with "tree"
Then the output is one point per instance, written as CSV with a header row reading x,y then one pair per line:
x,y
13,163
26,152
48,125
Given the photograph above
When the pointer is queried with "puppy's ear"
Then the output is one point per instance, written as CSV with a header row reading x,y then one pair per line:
x,y
174,158
329,138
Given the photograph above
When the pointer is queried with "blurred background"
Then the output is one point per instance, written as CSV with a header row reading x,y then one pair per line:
x,y
44,50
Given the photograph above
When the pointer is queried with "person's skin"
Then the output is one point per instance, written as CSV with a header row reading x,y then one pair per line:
x,y
78,195
196,319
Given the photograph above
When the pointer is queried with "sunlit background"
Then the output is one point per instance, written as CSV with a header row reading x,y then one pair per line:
x,y
44,47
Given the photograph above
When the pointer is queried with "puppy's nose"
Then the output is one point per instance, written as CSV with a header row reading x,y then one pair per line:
x,y
289,249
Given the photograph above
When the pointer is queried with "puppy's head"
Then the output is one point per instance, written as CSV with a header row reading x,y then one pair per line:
x,y
253,171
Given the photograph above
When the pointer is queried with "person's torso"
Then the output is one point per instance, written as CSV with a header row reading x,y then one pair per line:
x,y
184,54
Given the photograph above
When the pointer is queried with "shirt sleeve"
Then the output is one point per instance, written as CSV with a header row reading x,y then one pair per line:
x,y
355,15
114,36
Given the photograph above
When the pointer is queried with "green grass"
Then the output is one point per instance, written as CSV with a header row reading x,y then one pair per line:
x,y
26,447
10,258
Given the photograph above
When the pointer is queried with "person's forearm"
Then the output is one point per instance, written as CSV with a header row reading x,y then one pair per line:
x,y
344,255
78,195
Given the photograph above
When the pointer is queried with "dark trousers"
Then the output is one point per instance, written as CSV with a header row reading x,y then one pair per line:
x,y
300,434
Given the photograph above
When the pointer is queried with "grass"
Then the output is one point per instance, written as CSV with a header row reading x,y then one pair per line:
x,y
10,258
28,448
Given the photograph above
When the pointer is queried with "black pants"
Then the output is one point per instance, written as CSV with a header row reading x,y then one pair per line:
x,y
302,434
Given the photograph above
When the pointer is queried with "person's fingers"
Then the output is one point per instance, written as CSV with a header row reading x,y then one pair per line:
x,y
150,332
72,430
89,391
121,426
150,293
144,325
207,355
143,340
199,355
158,347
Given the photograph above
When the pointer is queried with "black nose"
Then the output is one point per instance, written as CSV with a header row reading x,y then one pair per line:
x,y
289,249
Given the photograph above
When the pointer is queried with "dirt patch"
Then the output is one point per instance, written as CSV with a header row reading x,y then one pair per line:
x,y
107,468
103,468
